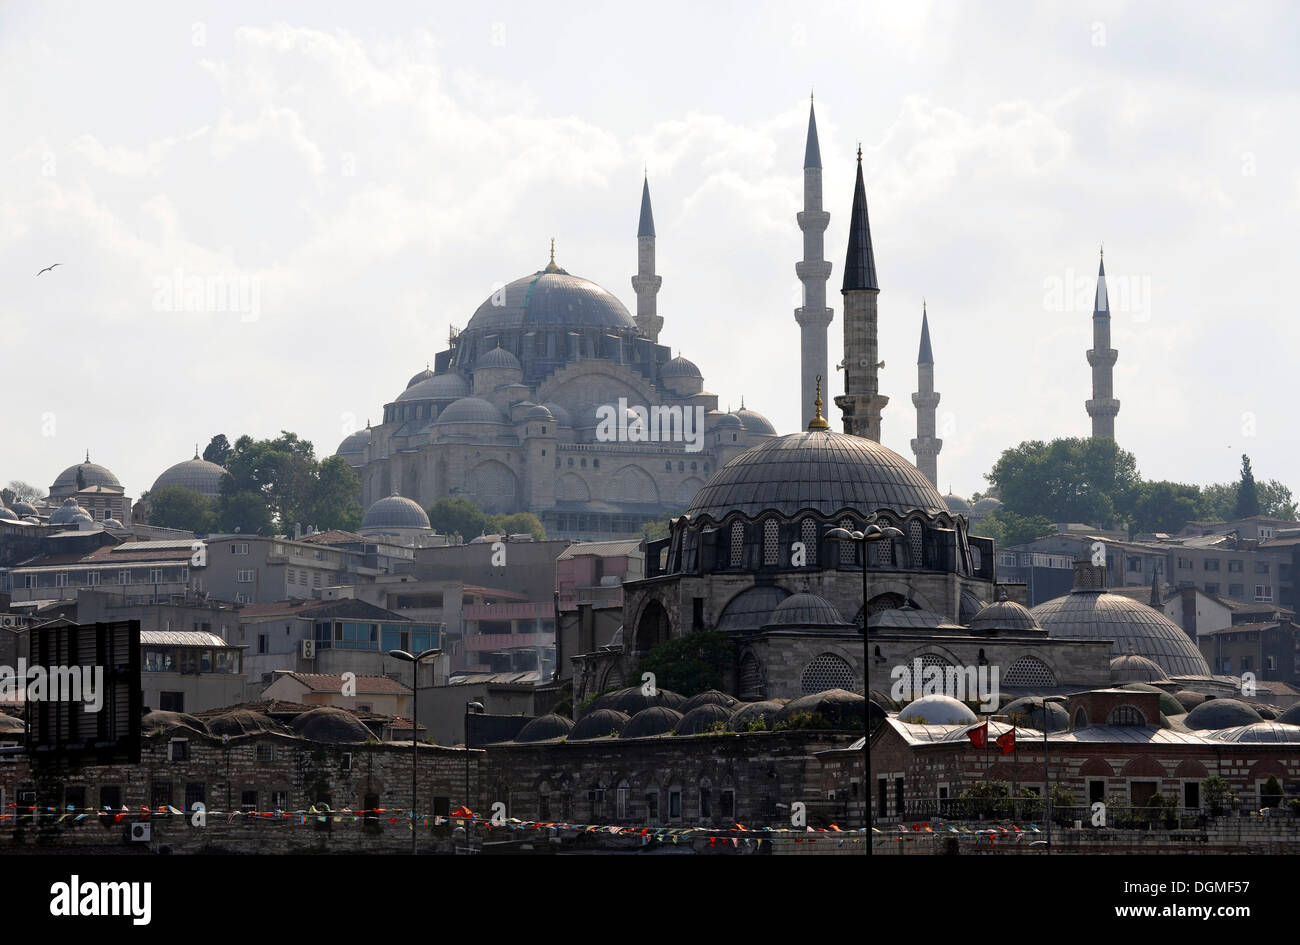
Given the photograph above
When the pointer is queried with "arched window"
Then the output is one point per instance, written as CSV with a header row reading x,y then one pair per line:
x,y
827,671
915,544
1126,715
737,543
1080,718
808,535
544,801
847,547
771,532
751,679
1029,672
882,552
621,800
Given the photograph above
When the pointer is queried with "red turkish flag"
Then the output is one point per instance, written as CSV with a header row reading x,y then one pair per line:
x,y
979,735
1007,742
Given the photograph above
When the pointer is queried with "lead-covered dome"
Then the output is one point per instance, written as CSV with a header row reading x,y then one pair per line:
x,y
755,422
354,443
806,610
450,386
680,367
1132,626
197,475
498,358
92,474
1004,614
551,298
817,470
395,511
422,376
470,410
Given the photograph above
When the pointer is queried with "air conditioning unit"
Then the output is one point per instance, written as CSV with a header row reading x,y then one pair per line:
x,y
140,833
309,649
8,620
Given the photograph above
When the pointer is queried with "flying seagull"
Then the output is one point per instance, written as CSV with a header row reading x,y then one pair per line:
x,y
48,268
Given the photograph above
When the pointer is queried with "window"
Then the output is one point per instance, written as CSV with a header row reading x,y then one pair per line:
x,y
155,575
1135,564
620,800
194,795
1029,672
293,576
1261,567
171,701
808,535
1184,563
847,548
265,753
244,577
92,578
1236,590
75,797
1234,567
1126,715
248,800
185,574
1263,592
728,804
110,797
652,806
1211,564
1211,588
737,543
160,794
178,749
675,804
706,802
771,532
240,548
261,642
827,671
61,579
280,800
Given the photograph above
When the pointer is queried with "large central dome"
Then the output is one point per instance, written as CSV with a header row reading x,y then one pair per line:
x,y
551,298
816,470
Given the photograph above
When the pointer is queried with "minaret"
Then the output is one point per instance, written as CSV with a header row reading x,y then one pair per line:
x,y
645,282
861,402
1103,406
926,446
813,316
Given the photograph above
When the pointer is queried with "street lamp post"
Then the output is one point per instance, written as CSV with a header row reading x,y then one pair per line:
x,y
475,708
1047,771
415,660
870,532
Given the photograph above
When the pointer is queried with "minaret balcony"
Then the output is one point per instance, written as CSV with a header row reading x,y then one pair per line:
x,y
1102,357
813,219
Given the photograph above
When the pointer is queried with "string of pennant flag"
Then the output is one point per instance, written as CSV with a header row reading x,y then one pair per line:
x,y
461,817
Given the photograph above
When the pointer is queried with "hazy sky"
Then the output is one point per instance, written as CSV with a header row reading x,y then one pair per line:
x,y
363,174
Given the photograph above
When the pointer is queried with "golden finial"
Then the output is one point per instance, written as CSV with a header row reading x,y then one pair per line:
x,y
551,267
818,422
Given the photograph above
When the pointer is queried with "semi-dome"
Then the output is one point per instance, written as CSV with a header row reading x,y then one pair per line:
x,y
1031,709
755,422
806,610
751,608
937,710
1133,626
422,376
66,513
750,713
680,367
559,413
471,410
197,475
92,474
1220,713
1133,668
816,470
956,504
354,443
656,720
701,719
449,386
709,697
599,723
545,728
498,358
1004,615
550,299
395,511
330,726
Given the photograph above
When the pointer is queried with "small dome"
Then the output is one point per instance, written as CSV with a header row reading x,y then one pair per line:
x,y
539,413
163,721
1168,704
498,358
702,718
986,505
1004,615
1058,719
632,700
23,509
730,420
755,422
937,710
956,504
449,386
680,367
806,610
395,512
656,720
1189,700
544,728
9,725
600,723
1220,713
841,708
330,726
751,712
1291,716
67,513
197,475
239,722
92,474
1260,732
112,523
470,410
354,443
1134,668
709,697
422,376
559,413
8,514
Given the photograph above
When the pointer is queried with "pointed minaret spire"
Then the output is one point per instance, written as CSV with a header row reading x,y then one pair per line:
x,y
1103,406
926,446
646,283
861,402
1155,591
813,317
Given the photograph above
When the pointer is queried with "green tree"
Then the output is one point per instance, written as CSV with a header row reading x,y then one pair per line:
x,y
520,523
1005,527
689,664
333,502
1275,500
457,515
218,450
1066,480
282,471
657,528
245,512
178,507
1166,506
1247,493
